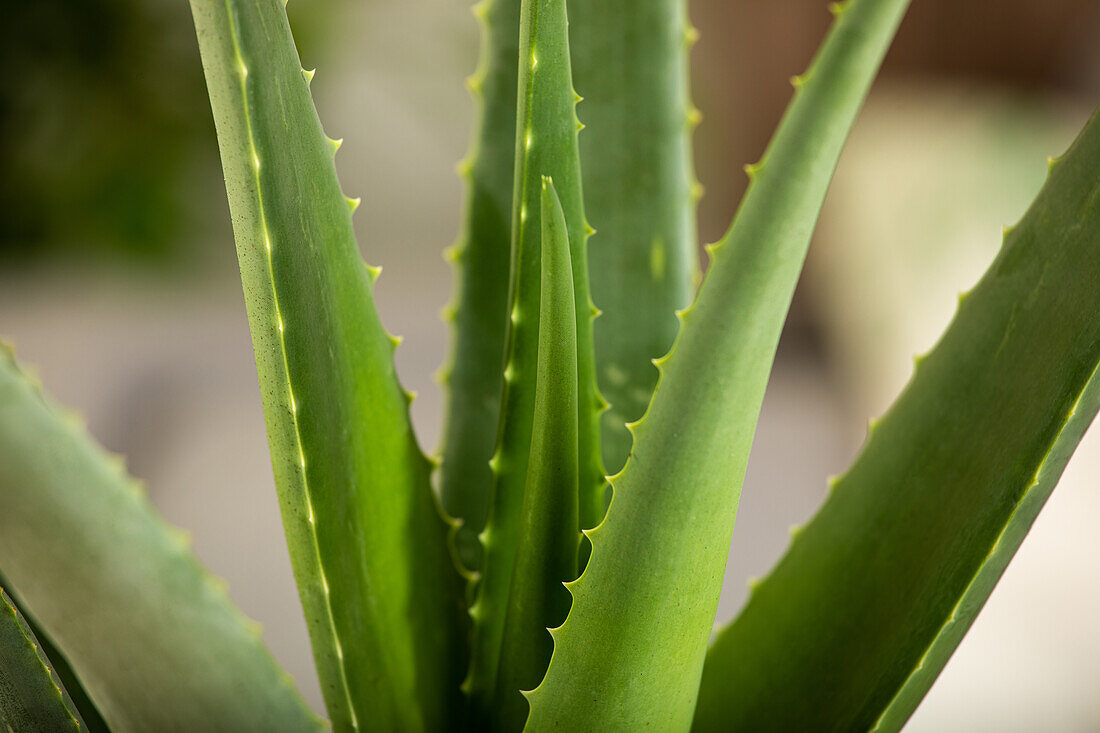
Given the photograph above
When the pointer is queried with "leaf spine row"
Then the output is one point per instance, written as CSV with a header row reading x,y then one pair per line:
x,y
242,68
41,658
995,548
181,538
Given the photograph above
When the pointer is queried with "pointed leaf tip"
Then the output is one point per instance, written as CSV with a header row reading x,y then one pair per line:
x,y
548,532
941,516
545,145
645,570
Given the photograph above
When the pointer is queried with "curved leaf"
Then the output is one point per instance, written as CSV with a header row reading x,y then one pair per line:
x,y
859,617
382,599
658,557
152,636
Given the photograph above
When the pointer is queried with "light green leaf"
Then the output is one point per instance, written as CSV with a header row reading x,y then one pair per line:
x,y
642,612
852,627
479,308
32,697
630,63
153,637
549,533
382,599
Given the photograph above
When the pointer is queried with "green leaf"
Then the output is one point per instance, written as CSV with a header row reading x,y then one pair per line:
x,y
546,145
32,697
81,700
658,557
859,617
549,534
479,308
382,599
153,637
638,120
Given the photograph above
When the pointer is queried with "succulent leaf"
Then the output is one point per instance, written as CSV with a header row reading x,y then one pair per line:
x,y
479,308
546,145
32,697
382,600
79,696
549,534
67,513
659,555
639,192
943,493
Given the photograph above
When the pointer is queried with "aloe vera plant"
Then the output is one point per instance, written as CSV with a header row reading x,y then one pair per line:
x,y
533,591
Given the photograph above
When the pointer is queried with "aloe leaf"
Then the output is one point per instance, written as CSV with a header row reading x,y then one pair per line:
x,y
943,493
80,698
479,309
546,145
638,120
550,525
32,697
152,636
382,599
659,555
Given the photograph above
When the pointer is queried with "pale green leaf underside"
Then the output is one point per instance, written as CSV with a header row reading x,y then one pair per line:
x,y
381,596
118,591
32,698
658,558
860,616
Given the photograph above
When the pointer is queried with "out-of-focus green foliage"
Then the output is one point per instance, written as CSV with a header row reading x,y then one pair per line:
x,y
101,149
102,86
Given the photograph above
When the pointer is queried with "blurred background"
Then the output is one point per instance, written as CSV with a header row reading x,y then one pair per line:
x,y
118,277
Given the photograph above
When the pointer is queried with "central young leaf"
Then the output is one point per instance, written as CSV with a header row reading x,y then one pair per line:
x,y
546,146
